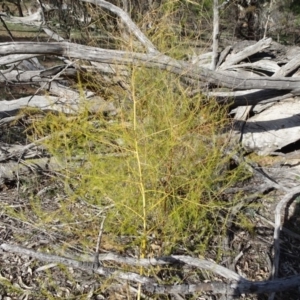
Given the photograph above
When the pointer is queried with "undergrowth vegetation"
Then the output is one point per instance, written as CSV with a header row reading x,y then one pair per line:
x,y
157,170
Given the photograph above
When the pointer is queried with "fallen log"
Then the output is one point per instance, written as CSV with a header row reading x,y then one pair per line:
x,y
11,170
185,69
65,104
273,128
238,285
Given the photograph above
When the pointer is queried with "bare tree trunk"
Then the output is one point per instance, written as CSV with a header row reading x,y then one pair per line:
x,y
215,36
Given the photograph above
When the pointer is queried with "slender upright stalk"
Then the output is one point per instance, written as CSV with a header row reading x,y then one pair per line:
x,y
268,19
141,182
215,36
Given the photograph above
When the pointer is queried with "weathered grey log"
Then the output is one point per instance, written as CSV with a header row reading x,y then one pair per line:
x,y
15,76
65,94
30,64
150,60
36,76
246,52
285,70
46,103
273,128
50,103
275,51
29,71
242,73
9,59
261,65
250,97
290,67
12,170
239,286
105,68
242,113
223,55
33,19
53,35
233,289
50,74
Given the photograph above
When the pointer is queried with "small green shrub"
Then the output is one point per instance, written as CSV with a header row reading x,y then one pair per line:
x,y
159,166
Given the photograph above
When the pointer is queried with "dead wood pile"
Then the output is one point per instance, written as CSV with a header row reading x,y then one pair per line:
x,y
259,79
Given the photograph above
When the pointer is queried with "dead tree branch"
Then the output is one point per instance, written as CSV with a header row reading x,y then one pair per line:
x,y
182,68
127,21
238,285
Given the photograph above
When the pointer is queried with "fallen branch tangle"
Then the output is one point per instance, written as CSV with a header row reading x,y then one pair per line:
x,y
238,284
185,69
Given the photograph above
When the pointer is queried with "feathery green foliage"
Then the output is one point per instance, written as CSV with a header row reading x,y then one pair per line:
x,y
159,166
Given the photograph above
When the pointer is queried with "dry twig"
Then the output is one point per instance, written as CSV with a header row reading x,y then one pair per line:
x,y
96,259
